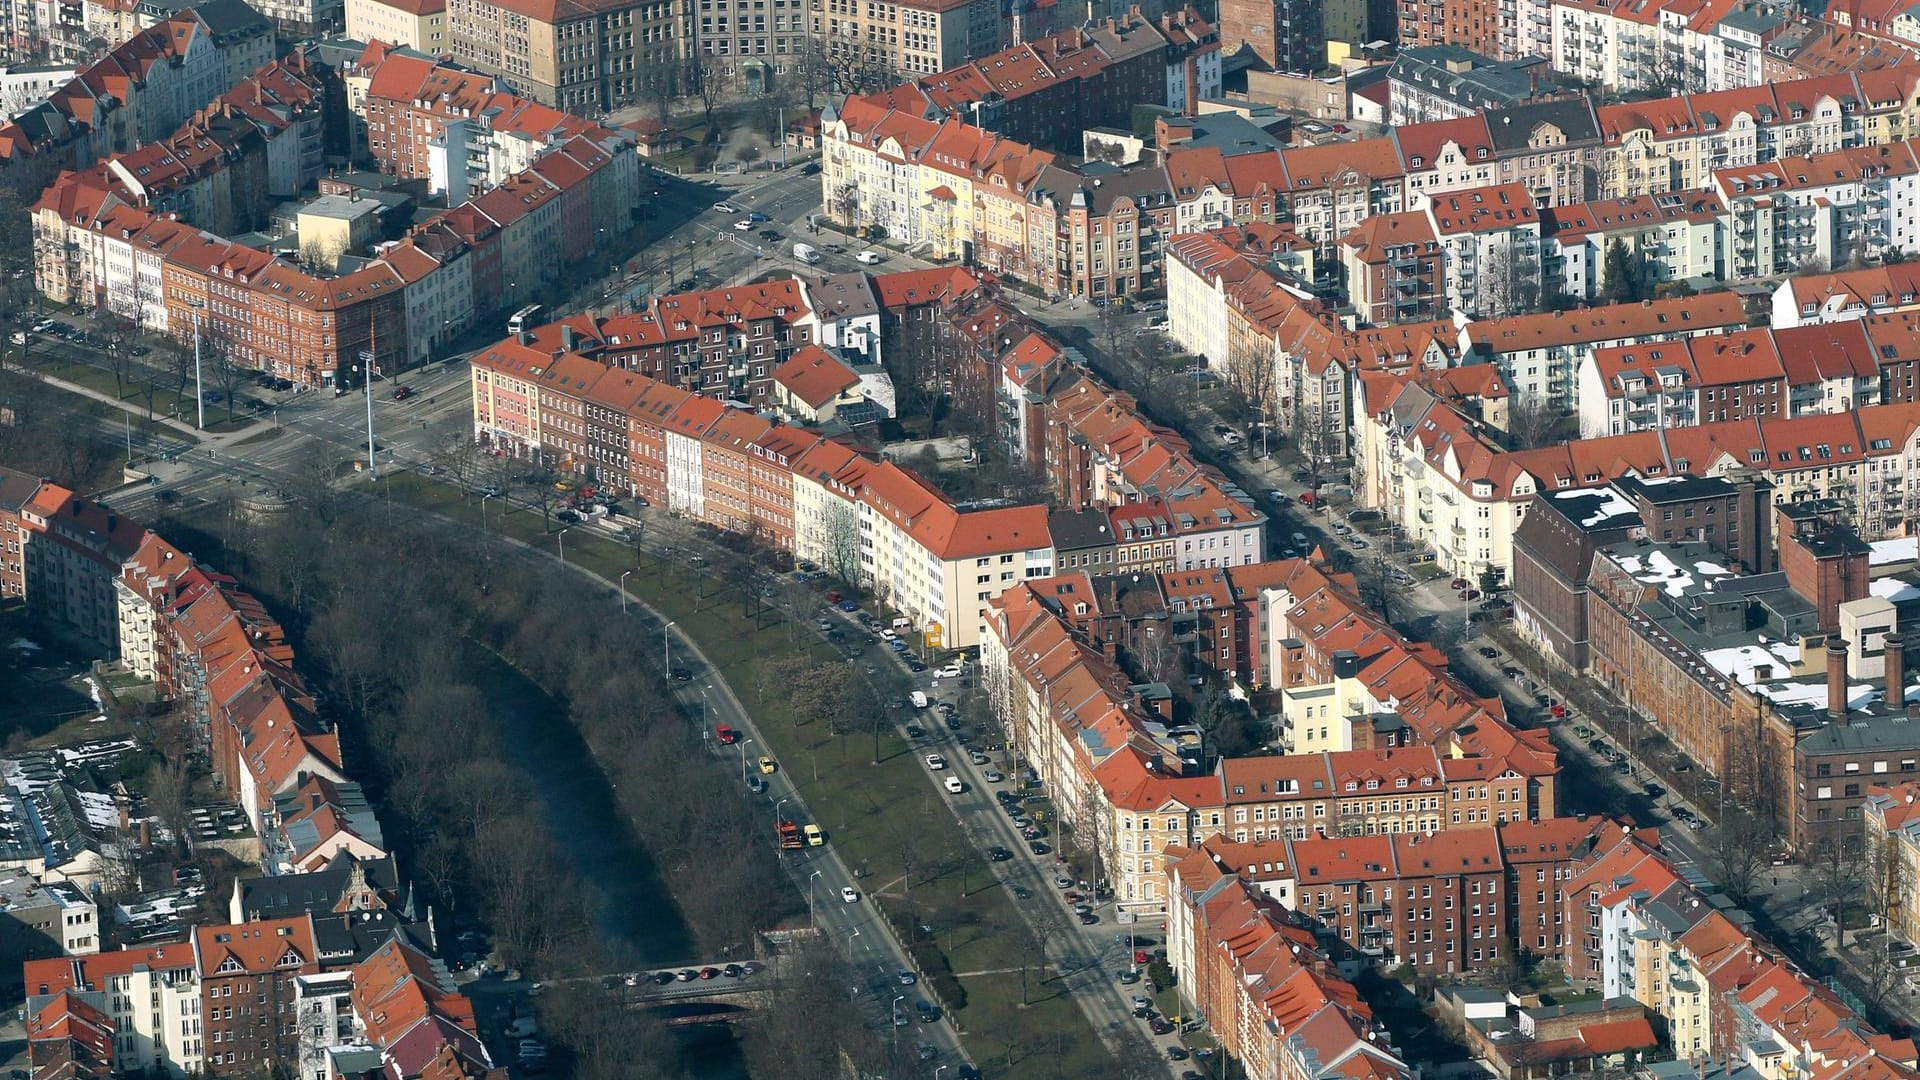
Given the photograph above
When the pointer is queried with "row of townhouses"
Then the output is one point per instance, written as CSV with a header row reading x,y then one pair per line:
x,y
330,931
1642,927
1380,739
660,404
165,66
139,237
927,178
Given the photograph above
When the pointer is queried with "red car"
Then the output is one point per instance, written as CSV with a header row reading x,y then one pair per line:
x,y
402,393
1142,957
833,596
726,734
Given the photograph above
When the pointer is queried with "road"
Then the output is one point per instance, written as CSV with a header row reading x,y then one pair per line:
x,y
298,429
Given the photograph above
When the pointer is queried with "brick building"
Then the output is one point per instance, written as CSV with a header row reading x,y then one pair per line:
x,y
1554,547
247,974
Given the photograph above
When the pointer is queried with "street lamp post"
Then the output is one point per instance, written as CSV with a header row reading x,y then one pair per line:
x,y
812,924
743,759
897,999
366,361
666,648
562,538
623,592
199,388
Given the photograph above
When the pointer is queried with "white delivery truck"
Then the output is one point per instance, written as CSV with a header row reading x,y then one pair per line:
x,y
806,254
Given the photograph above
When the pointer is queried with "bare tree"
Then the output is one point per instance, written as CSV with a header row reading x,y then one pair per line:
x,y
1151,647
840,541
1253,378
1510,278
846,205
1739,851
1531,418
1373,579
168,784
708,82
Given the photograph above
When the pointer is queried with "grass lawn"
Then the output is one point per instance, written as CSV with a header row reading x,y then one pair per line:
x,y
134,392
1427,571
890,825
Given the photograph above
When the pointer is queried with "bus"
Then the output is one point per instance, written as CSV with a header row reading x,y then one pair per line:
x,y
525,319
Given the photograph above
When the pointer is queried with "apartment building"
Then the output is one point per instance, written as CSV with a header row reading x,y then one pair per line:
x,y
1297,35
1672,236
408,24
1891,826
1276,1001
70,550
1827,210
885,40
1542,355
96,245
463,133
150,996
1044,92
1445,81
38,921
1489,240
1088,732
1747,374
247,974
586,59
1394,268
1695,961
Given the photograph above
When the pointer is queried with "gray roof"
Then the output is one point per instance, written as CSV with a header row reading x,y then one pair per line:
x,y
1229,133
1862,733
1073,530
1467,78
16,488
1709,1069
284,896
1133,39
1754,19
842,296
1145,183
1512,126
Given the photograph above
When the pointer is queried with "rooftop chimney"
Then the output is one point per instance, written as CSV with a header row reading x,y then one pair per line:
x,y
1836,677
1896,672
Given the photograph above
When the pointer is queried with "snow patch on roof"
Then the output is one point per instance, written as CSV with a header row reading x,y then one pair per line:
x,y
1888,552
1894,589
1741,662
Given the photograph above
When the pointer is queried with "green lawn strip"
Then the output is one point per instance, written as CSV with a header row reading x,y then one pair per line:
x,y
1046,1038
888,823
133,392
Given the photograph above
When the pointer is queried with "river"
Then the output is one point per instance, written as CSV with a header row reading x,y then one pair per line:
x,y
635,922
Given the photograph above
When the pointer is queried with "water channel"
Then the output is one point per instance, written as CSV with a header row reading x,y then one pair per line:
x,y
626,897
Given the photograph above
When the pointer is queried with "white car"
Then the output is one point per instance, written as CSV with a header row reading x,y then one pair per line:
x,y
743,225
936,762
954,786
868,257
951,671
847,894
723,208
